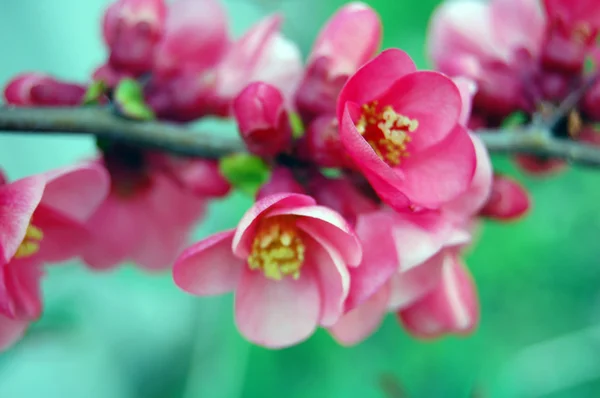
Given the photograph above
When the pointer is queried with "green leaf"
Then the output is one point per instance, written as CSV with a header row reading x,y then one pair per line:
x,y
297,125
129,99
517,118
94,92
245,172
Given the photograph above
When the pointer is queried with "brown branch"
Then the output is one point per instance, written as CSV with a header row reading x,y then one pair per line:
x,y
181,140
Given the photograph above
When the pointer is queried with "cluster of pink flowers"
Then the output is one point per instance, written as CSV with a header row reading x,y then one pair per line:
x,y
383,232
526,56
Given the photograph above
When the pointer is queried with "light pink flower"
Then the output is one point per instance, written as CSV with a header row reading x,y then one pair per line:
x,y
150,212
400,127
131,30
287,263
349,39
38,89
41,221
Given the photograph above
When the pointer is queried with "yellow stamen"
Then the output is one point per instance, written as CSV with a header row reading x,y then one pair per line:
x,y
277,248
31,242
386,131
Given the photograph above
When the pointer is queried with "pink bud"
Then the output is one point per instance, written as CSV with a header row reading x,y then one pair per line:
x,y
561,53
591,102
321,144
452,307
507,201
282,181
539,166
131,30
262,119
36,89
109,75
499,92
203,178
195,37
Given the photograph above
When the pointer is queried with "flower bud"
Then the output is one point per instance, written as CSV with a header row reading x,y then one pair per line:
x,y
131,30
321,144
36,89
282,181
262,119
508,200
203,178
560,53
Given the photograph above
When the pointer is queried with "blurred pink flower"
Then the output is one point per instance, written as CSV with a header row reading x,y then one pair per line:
x,y
287,262
38,89
509,200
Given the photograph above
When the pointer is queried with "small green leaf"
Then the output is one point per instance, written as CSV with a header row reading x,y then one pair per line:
x,y
94,92
245,172
129,99
517,118
297,125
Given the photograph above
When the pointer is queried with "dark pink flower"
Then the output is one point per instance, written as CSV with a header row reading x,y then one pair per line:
x,y
42,221
262,119
37,89
321,143
131,30
349,39
401,129
287,263
509,200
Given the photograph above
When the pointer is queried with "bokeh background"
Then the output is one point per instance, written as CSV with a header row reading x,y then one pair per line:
x,y
126,334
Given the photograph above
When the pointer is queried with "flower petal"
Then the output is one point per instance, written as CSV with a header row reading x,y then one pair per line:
x,y
11,331
442,172
18,200
20,295
209,266
363,320
374,78
277,314
246,228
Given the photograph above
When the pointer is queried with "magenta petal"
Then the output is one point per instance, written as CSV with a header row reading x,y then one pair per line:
x,y
209,266
20,296
11,331
76,191
374,78
277,314
332,276
363,320
18,200
382,177
430,98
329,225
246,228
442,172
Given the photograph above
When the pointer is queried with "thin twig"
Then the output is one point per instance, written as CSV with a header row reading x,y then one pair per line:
x,y
181,140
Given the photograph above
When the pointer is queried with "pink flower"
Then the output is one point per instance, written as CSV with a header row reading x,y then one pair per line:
x,y
37,89
195,37
42,221
262,119
349,39
321,143
508,200
287,262
401,129
131,30
150,210
282,181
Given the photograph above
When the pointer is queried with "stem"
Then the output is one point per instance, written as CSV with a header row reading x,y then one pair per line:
x,y
176,139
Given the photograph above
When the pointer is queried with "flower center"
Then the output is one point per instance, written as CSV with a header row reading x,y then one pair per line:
x,y
277,248
386,131
31,242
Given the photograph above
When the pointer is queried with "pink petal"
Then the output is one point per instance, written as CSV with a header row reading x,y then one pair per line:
x,y
450,308
374,78
509,200
20,296
18,200
382,178
467,89
519,24
442,172
380,259
330,225
282,181
76,191
332,276
11,331
277,314
430,98
246,228
363,320
209,266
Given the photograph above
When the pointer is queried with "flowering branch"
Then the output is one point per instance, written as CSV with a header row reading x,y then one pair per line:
x,y
102,122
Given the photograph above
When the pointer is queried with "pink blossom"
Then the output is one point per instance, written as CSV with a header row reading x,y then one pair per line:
x,y
287,263
321,143
42,221
38,89
150,211
401,129
508,201
281,181
262,119
349,39
131,30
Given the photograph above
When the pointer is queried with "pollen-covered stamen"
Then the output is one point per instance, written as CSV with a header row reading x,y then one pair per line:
x,y
386,131
31,242
277,248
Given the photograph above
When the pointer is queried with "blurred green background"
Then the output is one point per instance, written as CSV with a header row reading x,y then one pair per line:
x,y
125,334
